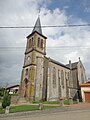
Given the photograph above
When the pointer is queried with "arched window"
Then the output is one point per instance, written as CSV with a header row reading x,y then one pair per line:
x,y
62,78
41,43
54,77
38,43
26,86
82,78
26,71
30,43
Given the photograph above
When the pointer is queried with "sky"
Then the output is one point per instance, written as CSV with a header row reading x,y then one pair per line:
x,y
63,44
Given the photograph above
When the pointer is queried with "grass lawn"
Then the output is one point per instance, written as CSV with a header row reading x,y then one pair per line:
x,y
23,108
47,102
2,110
34,107
0,100
66,102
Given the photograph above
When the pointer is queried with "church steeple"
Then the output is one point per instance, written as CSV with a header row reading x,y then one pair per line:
x,y
37,26
36,40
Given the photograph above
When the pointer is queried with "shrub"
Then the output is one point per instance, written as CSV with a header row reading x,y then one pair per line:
x,y
2,92
6,100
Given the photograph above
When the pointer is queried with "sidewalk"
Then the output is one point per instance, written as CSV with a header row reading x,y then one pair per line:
x,y
80,106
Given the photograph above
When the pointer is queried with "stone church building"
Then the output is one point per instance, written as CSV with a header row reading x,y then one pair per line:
x,y
44,78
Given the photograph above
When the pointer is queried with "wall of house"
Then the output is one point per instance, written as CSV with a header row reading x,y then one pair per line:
x,y
84,89
56,86
45,78
39,78
81,73
74,85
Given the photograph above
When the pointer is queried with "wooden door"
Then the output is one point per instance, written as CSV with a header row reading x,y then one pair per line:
x,y
87,96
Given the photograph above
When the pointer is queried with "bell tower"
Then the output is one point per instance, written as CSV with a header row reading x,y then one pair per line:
x,y
31,85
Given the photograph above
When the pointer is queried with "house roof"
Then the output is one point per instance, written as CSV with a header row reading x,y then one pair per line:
x,y
37,26
58,63
37,33
85,84
74,65
12,86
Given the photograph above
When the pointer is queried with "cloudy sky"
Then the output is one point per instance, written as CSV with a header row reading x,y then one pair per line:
x,y
63,44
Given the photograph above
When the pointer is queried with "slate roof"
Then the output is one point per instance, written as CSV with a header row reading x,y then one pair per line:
x,y
12,86
58,63
37,26
85,85
74,65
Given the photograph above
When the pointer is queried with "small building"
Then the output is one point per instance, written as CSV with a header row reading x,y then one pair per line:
x,y
13,89
85,91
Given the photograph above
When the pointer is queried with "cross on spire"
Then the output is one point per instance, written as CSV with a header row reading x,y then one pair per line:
x,y
39,12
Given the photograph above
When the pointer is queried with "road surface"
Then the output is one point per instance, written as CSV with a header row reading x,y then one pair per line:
x,y
67,115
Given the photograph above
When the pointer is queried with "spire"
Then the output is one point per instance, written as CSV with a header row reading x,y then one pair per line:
x,y
37,26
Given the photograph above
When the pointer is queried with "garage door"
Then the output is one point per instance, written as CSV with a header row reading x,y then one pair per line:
x,y
87,96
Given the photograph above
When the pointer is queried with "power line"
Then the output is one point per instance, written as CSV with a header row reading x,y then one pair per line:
x,y
14,48
47,47
45,26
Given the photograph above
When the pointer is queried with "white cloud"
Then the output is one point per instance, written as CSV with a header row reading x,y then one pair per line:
x,y
86,4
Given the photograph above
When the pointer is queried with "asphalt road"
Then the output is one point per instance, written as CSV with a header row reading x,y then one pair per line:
x,y
67,115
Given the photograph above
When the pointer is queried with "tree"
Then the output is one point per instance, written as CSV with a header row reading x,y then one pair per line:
x,y
6,100
2,92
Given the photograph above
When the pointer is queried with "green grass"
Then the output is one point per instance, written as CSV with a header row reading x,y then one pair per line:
x,y
47,102
0,100
34,107
52,102
23,108
2,110
66,102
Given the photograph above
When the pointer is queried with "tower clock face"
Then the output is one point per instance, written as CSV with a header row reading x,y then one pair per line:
x,y
28,58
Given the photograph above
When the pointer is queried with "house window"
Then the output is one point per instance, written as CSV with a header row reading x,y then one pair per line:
x,y
30,43
82,78
41,43
38,43
62,78
54,77
26,72
68,75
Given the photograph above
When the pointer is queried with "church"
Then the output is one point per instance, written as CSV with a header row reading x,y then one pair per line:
x,y
44,78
